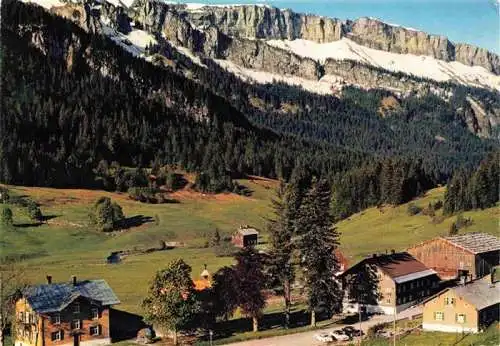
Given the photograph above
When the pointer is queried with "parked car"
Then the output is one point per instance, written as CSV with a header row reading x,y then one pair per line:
x,y
352,332
324,337
384,333
340,335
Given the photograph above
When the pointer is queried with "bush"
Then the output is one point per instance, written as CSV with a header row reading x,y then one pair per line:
x,y
372,331
34,211
413,209
462,222
106,215
453,230
147,195
4,195
225,249
438,205
7,217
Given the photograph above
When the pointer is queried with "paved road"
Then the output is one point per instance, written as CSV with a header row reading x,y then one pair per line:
x,y
307,338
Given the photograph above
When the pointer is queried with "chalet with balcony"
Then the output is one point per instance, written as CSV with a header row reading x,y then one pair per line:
x,y
398,282
471,254
74,313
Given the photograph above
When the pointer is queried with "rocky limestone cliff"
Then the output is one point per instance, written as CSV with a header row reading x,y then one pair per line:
x,y
271,23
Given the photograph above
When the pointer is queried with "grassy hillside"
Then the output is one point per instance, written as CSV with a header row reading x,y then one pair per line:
x,y
387,227
66,246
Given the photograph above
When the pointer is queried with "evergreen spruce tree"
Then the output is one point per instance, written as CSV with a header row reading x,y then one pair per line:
x,y
316,243
281,230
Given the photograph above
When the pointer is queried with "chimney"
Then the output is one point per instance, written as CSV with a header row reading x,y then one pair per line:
x,y
393,251
374,255
73,280
49,279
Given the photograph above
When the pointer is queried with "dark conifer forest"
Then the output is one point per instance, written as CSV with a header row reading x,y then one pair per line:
x,y
74,101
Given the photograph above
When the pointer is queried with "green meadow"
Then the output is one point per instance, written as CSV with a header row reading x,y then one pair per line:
x,y
65,245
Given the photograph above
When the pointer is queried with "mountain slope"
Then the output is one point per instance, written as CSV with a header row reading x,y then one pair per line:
x,y
260,44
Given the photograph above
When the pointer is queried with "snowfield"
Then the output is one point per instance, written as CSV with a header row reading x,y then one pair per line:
x,y
418,65
325,86
48,4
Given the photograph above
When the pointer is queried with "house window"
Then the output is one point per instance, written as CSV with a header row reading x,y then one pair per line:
x,y
449,301
56,319
76,308
21,316
95,313
57,336
95,330
460,318
439,316
75,324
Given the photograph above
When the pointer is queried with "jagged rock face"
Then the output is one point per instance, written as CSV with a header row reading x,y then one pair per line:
x,y
271,23
368,77
151,14
258,55
378,35
267,22
471,56
479,120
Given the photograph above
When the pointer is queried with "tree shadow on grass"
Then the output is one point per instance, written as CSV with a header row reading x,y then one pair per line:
x,y
27,225
46,218
275,320
134,221
124,325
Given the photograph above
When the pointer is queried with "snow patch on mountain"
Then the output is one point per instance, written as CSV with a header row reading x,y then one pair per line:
x,y
421,66
134,42
48,4
327,85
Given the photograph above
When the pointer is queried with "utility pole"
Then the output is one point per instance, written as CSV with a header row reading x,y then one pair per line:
x,y
395,312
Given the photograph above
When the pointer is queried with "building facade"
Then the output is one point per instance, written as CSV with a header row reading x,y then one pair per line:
x,y
473,255
467,308
75,313
245,236
400,280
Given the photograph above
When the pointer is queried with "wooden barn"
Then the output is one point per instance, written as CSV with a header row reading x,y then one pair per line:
x,y
472,255
245,236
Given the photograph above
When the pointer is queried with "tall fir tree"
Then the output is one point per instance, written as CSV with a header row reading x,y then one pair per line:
x,y
317,241
281,229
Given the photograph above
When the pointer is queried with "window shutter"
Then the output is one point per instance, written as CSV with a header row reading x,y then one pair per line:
x,y
62,334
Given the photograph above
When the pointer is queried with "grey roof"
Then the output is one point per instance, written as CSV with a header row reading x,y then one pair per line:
x,y
480,293
55,297
476,242
248,231
414,276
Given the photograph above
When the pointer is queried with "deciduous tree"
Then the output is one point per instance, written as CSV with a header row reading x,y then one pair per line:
x,y
171,302
251,282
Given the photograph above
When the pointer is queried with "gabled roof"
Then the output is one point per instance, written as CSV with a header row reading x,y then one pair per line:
x,y
480,293
248,231
475,242
55,297
400,267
